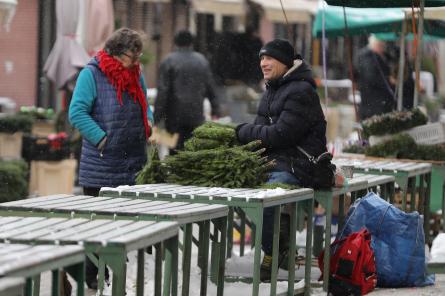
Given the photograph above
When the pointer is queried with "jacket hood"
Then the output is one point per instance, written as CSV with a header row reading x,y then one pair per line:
x,y
299,72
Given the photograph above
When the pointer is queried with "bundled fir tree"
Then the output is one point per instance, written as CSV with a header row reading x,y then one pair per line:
x,y
152,172
213,157
393,122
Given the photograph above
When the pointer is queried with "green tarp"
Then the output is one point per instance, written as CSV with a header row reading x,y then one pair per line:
x,y
384,3
363,21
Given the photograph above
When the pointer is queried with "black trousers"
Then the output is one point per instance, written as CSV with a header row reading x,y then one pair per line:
x,y
91,270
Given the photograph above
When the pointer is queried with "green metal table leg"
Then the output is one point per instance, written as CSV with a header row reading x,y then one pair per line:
x,y
327,243
403,184
186,259
77,272
427,209
205,257
242,232
275,250
222,253
256,216
158,270
101,275
230,232
292,246
200,239
140,273
341,211
308,263
28,287
118,264
171,267
55,288
36,284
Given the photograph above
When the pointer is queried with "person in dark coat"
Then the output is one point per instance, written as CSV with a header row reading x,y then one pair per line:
x,y
110,109
374,83
185,80
289,115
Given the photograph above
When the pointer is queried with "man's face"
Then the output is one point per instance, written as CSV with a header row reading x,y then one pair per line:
x,y
272,68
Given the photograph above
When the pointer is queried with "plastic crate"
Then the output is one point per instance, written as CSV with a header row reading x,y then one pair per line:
x,y
39,148
428,134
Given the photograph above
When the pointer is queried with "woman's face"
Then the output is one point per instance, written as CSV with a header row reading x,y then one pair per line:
x,y
129,59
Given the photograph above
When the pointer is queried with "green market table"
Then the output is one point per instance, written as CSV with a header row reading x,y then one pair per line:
x,y
27,261
412,178
357,186
112,240
252,202
12,286
143,210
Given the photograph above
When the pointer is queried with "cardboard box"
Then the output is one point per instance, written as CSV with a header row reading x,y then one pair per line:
x,y
52,177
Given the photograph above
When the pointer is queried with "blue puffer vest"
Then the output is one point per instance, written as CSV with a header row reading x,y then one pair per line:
x,y
124,152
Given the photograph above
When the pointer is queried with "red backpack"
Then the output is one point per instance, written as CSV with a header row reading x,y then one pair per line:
x,y
352,266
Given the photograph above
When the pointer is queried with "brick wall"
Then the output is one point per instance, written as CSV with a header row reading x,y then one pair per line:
x,y
18,55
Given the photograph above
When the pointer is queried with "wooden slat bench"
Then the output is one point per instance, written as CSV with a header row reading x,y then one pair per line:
x,y
252,202
12,286
27,261
112,240
412,178
143,210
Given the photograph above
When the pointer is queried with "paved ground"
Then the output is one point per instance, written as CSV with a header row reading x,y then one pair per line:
x,y
242,289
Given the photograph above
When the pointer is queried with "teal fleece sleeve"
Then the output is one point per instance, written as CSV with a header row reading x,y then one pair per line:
x,y
82,105
144,89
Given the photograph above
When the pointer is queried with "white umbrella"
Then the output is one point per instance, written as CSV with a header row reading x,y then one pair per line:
x,y
99,24
67,55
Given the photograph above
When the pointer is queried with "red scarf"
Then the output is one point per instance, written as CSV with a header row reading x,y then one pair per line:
x,y
125,79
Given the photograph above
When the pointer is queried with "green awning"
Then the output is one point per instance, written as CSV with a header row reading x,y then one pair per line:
x,y
364,21
361,21
384,3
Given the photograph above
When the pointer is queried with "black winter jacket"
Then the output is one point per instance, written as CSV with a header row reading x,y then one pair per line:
x,y
289,114
185,79
376,92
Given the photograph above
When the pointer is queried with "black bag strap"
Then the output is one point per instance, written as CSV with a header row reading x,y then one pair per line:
x,y
310,157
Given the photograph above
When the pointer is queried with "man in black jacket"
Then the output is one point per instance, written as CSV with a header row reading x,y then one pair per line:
x,y
374,80
289,115
185,80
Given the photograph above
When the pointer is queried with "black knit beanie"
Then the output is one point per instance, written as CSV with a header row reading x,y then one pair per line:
x,y
281,50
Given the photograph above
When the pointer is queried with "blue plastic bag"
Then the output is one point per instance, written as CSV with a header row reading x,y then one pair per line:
x,y
398,241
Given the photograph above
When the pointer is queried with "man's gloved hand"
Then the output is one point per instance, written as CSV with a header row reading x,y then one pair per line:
x,y
237,129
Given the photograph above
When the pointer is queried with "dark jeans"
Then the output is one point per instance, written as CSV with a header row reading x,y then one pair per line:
x,y
91,269
268,219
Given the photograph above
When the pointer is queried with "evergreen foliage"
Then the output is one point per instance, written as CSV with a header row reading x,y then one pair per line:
x,y
403,146
152,172
14,180
15,123
392,123
212,157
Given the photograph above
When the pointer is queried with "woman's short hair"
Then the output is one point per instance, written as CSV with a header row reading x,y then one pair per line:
x,y
123,40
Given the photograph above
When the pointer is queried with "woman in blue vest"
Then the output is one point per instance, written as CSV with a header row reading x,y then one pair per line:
x,y
110,109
